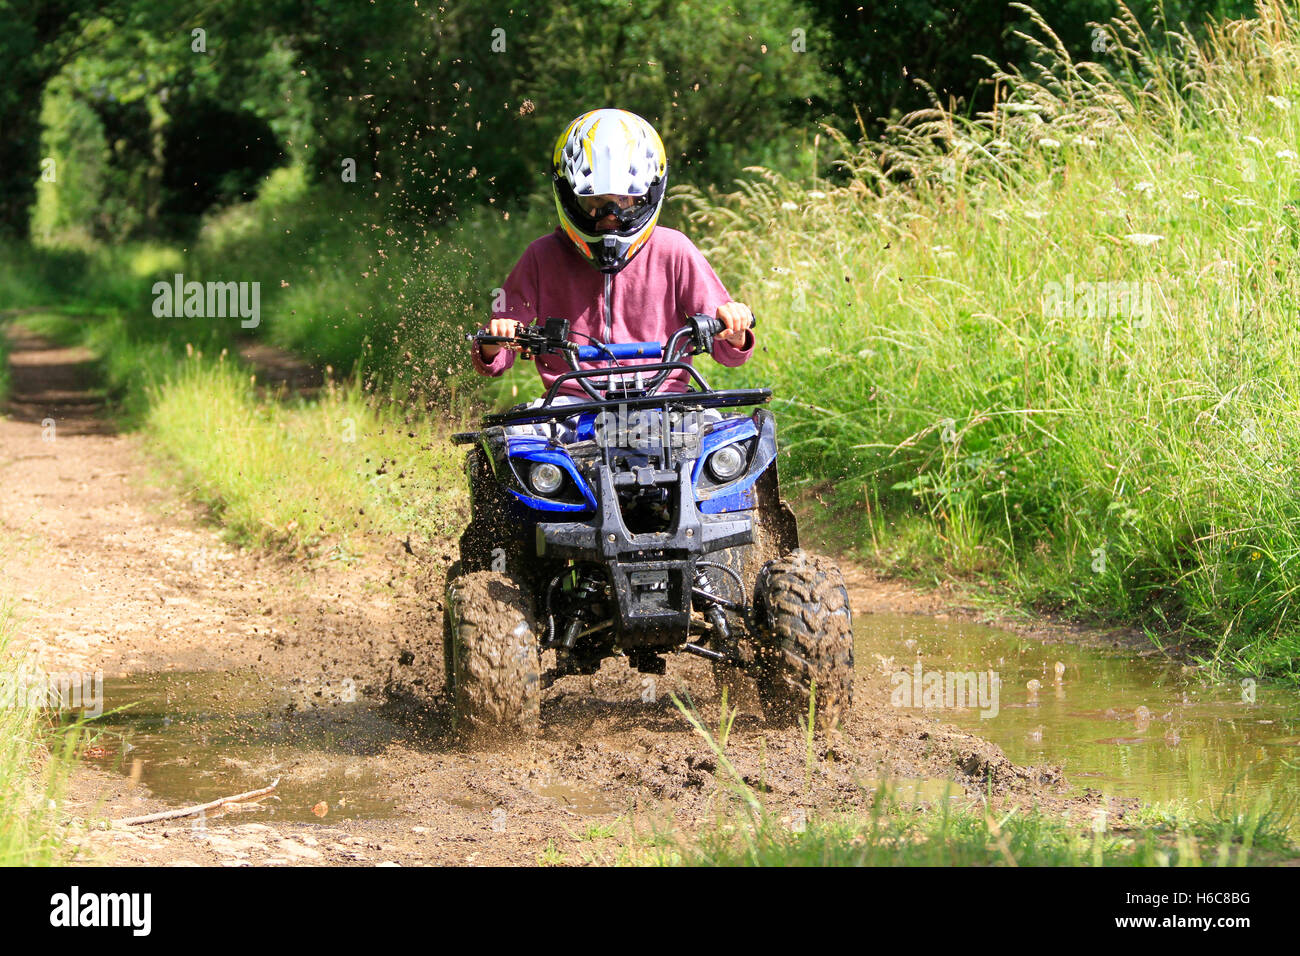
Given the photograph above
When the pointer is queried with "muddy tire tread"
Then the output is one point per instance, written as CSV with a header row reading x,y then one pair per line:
x,y
491,649
805,632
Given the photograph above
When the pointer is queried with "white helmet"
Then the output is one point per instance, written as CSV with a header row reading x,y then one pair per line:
x,y
609,153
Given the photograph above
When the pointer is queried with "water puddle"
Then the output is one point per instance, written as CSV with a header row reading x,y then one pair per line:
x,y
1133,727
194,737
1130,727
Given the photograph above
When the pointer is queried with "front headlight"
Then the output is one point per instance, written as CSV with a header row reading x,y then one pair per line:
x,y
727,462
546,478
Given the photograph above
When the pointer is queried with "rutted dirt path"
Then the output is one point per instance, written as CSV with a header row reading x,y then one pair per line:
x,y
112,570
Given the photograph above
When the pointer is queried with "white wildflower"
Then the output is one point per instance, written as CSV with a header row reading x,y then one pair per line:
x,y
1281,102
816,194
999,144
1144,186
1143,238
1085,141
1048,143
789,206
1286,154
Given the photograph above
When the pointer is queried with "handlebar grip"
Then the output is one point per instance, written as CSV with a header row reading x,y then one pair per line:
x,y
714,325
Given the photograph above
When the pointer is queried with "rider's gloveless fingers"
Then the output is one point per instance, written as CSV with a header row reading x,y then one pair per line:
x,y
736,317
502,327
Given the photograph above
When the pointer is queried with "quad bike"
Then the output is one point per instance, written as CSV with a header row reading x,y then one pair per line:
x,y
636,522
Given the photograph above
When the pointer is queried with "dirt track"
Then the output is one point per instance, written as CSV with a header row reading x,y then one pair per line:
x,y
113,570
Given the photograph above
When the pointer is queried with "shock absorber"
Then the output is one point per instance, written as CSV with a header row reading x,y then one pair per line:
x,y
713,613
580,597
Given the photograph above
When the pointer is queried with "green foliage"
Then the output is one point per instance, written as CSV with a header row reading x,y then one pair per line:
x,y
34,764
148,134
942,354
894,57
73,196
438,111
444,108
35,42
463,106
719,80
899,835
301,475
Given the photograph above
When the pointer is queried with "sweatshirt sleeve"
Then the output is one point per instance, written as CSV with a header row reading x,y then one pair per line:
x,y
517,300
700,291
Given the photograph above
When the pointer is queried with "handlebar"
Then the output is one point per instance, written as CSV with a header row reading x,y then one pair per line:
x,y
621,350
552,337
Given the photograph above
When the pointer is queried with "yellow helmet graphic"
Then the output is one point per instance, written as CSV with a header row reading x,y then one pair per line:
x,y
615,155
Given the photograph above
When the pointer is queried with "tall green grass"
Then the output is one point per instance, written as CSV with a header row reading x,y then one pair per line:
x,y
895,833
303,474
1082,455
344,286
33,767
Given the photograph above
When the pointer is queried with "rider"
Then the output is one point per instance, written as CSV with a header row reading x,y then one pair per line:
x,y
609,171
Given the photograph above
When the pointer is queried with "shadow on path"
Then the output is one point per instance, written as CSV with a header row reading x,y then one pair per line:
x,y
51,382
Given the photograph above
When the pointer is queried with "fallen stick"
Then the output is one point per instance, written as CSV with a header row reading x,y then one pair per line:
x,y
201,808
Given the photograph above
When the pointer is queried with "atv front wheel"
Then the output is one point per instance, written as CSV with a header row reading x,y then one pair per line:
x,y
492,657
803,632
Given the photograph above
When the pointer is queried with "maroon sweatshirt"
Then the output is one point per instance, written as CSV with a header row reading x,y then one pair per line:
x,y
647,301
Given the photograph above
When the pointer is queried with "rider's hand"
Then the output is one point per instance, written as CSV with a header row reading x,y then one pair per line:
x,y
503,327
737,319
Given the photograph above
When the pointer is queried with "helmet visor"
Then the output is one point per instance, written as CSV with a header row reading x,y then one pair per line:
x,y
598,207
588,212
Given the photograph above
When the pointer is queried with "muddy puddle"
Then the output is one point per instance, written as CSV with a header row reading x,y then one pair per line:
x,y
191,738
194,737
1130,727
1126,726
